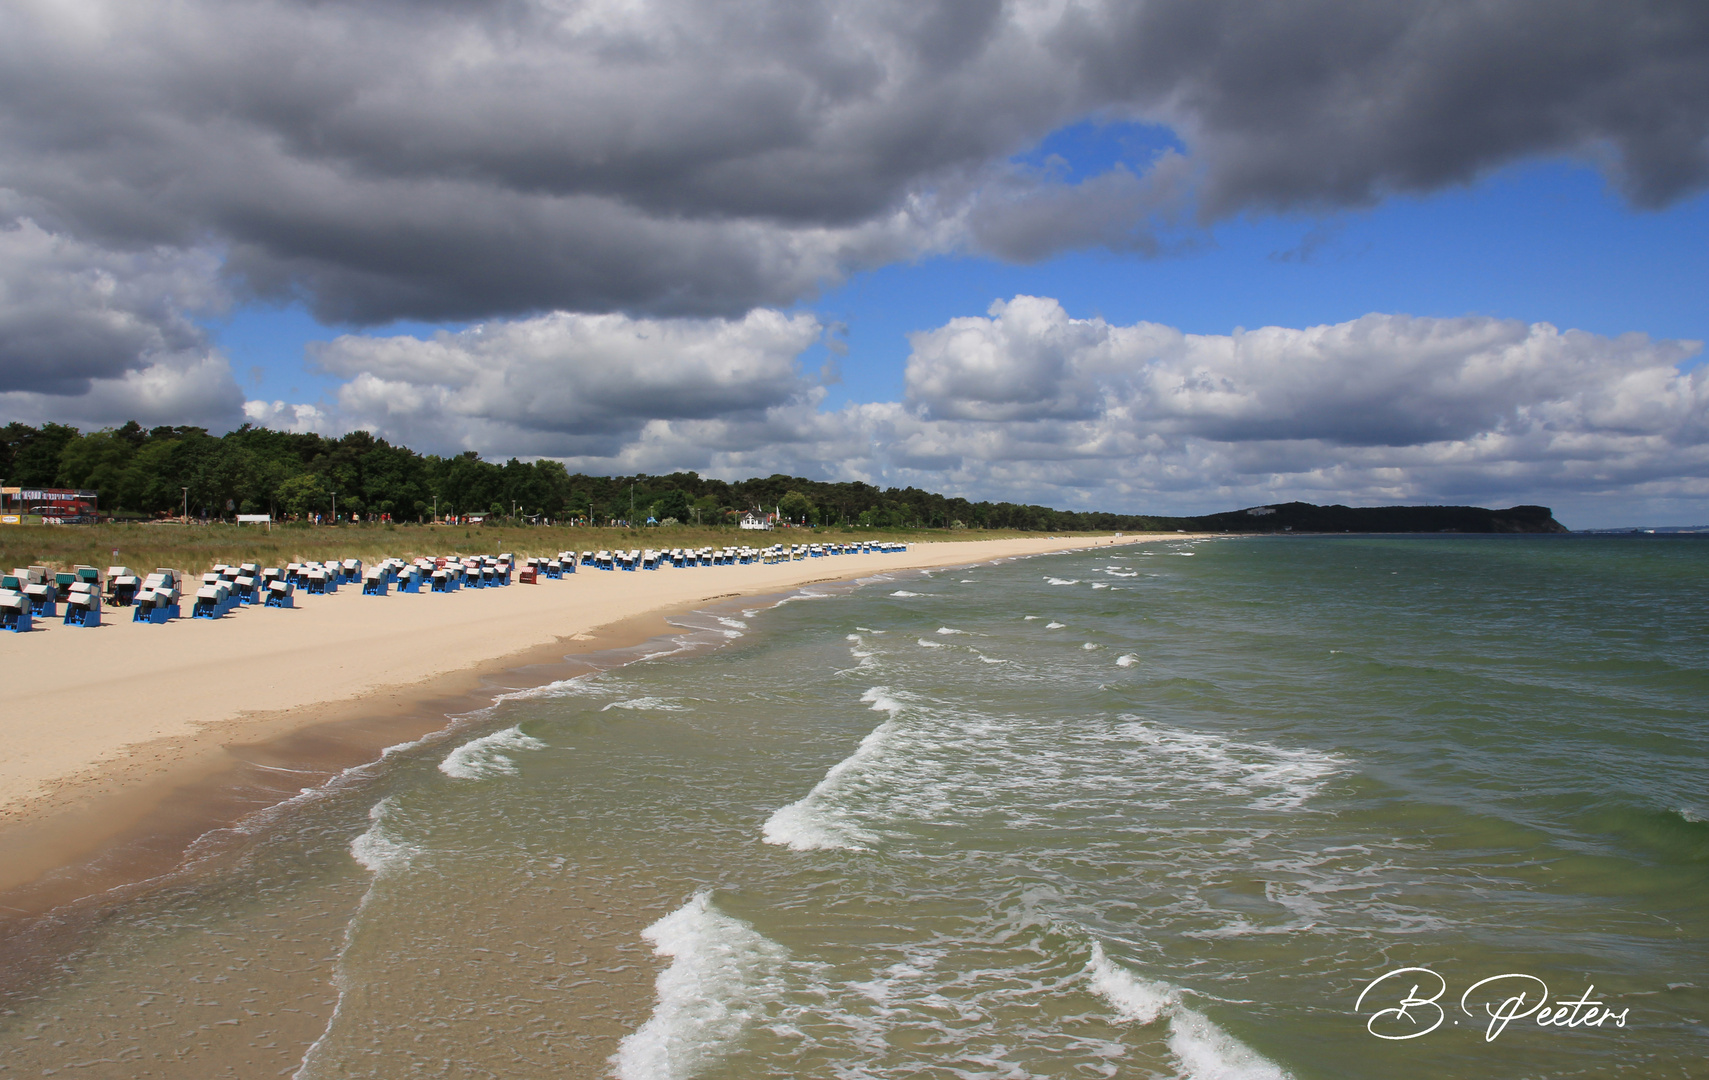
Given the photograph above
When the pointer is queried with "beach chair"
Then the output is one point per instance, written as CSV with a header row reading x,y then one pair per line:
x,y
280,592
211,601
83,605
122,584
374,582
14,611
409,579
43,598
441,581
62,583
243,591
157,604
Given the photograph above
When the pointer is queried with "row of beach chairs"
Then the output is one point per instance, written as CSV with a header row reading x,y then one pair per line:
x,y
34,592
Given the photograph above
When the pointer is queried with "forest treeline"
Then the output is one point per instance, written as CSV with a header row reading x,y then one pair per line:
x,y
252,470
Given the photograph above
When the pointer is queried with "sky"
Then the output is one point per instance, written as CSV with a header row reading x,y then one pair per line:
x,y
1149,257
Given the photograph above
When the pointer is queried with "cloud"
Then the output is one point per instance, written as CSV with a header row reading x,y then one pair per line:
x,y
1332,103
567,385
1384,408
98,336
1030,404
685,157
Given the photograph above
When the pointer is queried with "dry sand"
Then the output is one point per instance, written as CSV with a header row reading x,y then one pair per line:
x,y
100,725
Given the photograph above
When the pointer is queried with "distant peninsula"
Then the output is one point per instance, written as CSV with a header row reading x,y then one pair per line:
x,y
1305,517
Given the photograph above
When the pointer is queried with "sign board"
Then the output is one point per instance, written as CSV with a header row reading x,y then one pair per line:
x,y
11,519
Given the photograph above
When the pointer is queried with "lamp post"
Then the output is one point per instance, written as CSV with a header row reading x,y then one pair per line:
x,y
436,509
335,508
186,492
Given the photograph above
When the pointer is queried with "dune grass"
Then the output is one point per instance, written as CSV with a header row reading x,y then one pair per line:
x,y
196,547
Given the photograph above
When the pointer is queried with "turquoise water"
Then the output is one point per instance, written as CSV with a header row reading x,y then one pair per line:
x,y
1165,812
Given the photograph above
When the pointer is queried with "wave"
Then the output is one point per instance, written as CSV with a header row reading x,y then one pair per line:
x,y
932,644
1127,660
904,592
721,974
1202,1050
1062,581
654,703
377,850
1054,625
380,854
815,821
486,756
948,630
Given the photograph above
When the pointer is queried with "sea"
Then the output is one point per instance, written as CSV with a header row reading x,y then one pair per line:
x,y
1221,809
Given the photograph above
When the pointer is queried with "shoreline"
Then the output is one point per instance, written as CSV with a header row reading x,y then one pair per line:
x,y
126,749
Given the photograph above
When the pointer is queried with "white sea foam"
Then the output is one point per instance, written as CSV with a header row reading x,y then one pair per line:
x,y
653,703
1116,571
818,821
804,594
734,623
721,975
1127,660
488,755
1054,625
1202,1050
989,659
1099,585
1088,646
870,630
1062,581
904,592
1138,1000
377,850
948,630
933,644
1030,618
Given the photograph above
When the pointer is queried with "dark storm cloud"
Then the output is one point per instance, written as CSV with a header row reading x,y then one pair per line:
x,y
72,313
1325,103
436,160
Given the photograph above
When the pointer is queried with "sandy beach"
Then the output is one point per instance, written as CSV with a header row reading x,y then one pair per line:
x,y
103,725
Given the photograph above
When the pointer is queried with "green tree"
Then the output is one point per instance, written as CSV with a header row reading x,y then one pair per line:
x,y
796,507
672,504
303,494
101,460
